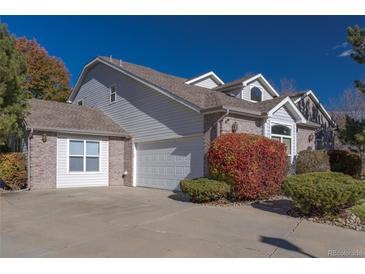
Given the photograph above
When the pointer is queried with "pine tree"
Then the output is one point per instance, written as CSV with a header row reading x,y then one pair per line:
x,y
12,96
356,37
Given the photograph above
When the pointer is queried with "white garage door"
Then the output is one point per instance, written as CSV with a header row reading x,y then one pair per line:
x,y
163,164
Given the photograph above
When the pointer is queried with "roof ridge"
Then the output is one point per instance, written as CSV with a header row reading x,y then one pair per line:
x,y
116,61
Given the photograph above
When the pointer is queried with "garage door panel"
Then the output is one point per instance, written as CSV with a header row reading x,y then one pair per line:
x,y
164,164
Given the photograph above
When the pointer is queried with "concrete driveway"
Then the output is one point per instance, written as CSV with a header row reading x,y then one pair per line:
x,y
138,222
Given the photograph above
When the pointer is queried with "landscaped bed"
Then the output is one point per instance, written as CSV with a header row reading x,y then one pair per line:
x,y
250,170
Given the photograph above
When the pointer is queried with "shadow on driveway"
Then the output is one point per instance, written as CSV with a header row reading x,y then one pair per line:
x,y
180,196
281,206
284,244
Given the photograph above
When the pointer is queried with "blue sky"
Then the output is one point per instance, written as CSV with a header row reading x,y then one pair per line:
x,y
304,48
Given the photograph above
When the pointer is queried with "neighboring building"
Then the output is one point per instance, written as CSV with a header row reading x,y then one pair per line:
x,y
132,125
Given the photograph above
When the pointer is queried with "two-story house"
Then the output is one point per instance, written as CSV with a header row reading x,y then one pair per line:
x,y
132,125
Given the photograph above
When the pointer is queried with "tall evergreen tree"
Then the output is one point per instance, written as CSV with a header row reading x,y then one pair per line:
x,y
12,96
356,37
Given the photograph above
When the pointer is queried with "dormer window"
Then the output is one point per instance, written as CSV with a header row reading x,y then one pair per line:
x,y
256,94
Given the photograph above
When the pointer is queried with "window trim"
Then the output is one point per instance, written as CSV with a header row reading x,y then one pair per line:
x,y
110,93
281,126
291,155
84,156
251,88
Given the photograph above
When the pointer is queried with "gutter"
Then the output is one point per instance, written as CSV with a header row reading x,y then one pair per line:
x,y
77,131
231,110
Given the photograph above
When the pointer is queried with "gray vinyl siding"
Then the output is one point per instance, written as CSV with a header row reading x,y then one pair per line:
x,y
142,111
206,83
282,114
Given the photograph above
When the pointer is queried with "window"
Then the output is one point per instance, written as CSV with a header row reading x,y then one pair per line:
x,y
281,130
283,134
256,94
80,103
92,156
113,94
84,156
76,156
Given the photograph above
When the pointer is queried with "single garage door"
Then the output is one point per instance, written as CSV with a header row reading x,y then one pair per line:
x,y
163,164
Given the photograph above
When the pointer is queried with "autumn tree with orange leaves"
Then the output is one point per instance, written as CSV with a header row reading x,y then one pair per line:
x,y
46,77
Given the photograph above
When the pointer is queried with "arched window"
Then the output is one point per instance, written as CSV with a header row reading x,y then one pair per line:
x,y
256,94
282,134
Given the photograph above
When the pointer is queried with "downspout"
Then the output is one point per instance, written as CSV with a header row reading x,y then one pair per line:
x,y
30,136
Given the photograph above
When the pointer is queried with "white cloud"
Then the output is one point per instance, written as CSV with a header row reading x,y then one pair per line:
x,y
345,53
342,45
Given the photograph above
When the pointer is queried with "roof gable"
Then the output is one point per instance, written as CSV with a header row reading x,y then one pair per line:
x,y
202,79
315,100
290,107
245,81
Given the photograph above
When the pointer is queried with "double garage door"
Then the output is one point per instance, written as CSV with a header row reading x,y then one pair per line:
x,y
163,164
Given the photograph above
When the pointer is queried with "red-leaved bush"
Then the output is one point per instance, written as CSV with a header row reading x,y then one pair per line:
x,y
255,166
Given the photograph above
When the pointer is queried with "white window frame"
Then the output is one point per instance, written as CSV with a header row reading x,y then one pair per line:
x,y
110,94
281,136
84,156
252,87
80,101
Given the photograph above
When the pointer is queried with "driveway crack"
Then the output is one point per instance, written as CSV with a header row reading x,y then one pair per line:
x,y
286,235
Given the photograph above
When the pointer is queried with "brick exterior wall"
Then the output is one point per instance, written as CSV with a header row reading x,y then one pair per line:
x,y
43,161
116,161
128,162
218,123
325,136
245,125
211,131
303,139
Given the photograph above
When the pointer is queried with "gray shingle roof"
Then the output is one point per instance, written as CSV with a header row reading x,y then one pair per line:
x,y
56,116
200,97
267,105
233,83
297,95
